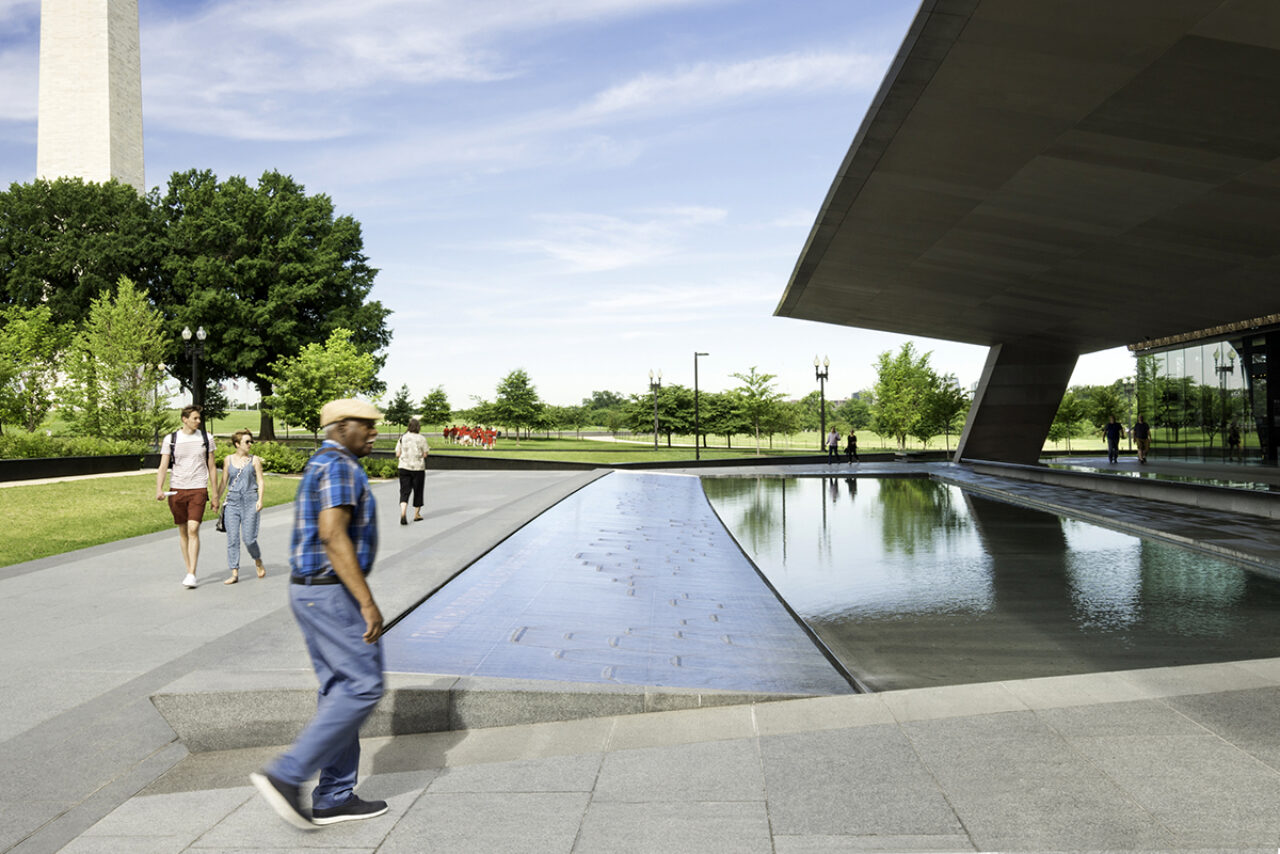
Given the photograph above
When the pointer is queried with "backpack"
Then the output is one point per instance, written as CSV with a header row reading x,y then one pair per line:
x,y
173,443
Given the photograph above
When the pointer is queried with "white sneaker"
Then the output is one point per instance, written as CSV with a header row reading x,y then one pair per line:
x,y
189,581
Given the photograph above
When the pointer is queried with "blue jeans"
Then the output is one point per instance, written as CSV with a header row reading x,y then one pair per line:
x,y
350,674
242,521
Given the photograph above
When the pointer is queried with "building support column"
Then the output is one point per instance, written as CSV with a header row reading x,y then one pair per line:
x,y
1020,391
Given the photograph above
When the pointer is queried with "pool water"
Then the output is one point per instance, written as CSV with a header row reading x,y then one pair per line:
x,y
912,583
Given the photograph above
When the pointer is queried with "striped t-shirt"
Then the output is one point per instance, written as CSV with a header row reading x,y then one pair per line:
x,y
190,463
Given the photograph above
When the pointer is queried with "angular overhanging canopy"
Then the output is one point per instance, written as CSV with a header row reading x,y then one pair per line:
x,y
1080,173
1055,177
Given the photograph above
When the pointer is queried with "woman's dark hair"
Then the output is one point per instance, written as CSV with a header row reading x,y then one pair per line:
x,y
414,425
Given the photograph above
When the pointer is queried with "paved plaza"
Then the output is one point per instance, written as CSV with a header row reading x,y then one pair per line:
x,y
1179,758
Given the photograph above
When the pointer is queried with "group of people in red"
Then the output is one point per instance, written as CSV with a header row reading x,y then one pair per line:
x,y
483,437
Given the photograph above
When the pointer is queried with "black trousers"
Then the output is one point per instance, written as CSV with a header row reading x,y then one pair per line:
x,y
411,481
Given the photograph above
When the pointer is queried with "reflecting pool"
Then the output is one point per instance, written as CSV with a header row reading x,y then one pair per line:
x,y
911,583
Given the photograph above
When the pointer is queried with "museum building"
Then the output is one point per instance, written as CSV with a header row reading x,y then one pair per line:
x,y
1054,178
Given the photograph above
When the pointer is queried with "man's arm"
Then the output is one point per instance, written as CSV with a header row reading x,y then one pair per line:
x,y
212,463
164,466
342,554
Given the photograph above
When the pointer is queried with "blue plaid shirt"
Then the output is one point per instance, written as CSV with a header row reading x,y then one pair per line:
x,y
333,478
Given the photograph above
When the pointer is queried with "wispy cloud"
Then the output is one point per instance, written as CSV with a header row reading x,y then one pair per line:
x,y
711,83
593,243
281,70
18,87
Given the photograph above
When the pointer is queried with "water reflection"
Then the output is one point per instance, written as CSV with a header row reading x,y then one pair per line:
x,y
912,582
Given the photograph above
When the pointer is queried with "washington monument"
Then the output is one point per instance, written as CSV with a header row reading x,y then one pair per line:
x,y
90,122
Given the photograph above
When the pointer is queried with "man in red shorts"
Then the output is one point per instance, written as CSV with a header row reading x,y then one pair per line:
x,y
194,472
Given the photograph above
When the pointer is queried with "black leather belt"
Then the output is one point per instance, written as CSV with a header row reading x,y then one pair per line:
x,y
315,579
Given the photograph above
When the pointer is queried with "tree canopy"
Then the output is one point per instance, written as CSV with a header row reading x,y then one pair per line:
x,y
318,374
31,347
266,270
517,404
435,407
114,368
758,399
65,242
400,409
903,383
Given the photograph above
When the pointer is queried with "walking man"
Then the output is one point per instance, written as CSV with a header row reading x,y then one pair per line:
x,y
833,446
193,474
1142,438
335,537
1112,432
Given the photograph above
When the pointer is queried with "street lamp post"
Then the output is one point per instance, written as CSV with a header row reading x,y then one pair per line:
x,y
820,374
1222,371
697,446
654,385
1128,385
195,349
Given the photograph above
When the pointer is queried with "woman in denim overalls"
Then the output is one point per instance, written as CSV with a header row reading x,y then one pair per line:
x,y
243,487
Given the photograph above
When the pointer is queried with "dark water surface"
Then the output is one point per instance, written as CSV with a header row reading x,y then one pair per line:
x,y
914,583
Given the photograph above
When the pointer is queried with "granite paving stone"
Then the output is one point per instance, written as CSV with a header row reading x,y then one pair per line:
x,y
664,828
489,823
552,774
715,771
857,782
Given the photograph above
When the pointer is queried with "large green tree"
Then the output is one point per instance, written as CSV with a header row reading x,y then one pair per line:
x,y
854,412
114,369
267,270
400,409
945,408
435,407
721,414
318,374
903,384
758,399
65,242
31,345
674,407
517,404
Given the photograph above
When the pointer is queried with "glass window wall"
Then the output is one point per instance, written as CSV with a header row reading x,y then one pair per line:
x,y
1205,401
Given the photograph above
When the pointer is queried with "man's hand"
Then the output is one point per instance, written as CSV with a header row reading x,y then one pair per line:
x,y
372,621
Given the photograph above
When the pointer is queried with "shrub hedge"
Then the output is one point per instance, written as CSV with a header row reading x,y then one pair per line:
x,y
18,446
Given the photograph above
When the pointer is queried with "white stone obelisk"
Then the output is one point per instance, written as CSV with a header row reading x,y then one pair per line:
x,y
90,122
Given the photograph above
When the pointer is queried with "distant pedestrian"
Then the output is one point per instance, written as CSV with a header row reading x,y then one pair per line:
x,y
335,538
242,488
412,452
851,448
833,446
194,470
1112,433
1142,438
1233,442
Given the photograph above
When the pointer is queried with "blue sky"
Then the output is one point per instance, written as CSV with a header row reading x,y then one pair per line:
x,y
585,189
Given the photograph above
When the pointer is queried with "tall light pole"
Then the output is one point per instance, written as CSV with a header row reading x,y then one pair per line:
x,y
654,385
195,349
697,447
1222,371
820,374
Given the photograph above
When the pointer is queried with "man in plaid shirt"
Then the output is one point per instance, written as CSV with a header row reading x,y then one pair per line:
x,y
335,537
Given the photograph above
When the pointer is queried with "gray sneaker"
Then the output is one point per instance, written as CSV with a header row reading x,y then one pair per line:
x,y
286,800
353,810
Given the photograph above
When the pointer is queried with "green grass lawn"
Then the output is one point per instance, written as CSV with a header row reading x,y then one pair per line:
x,y
51,518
